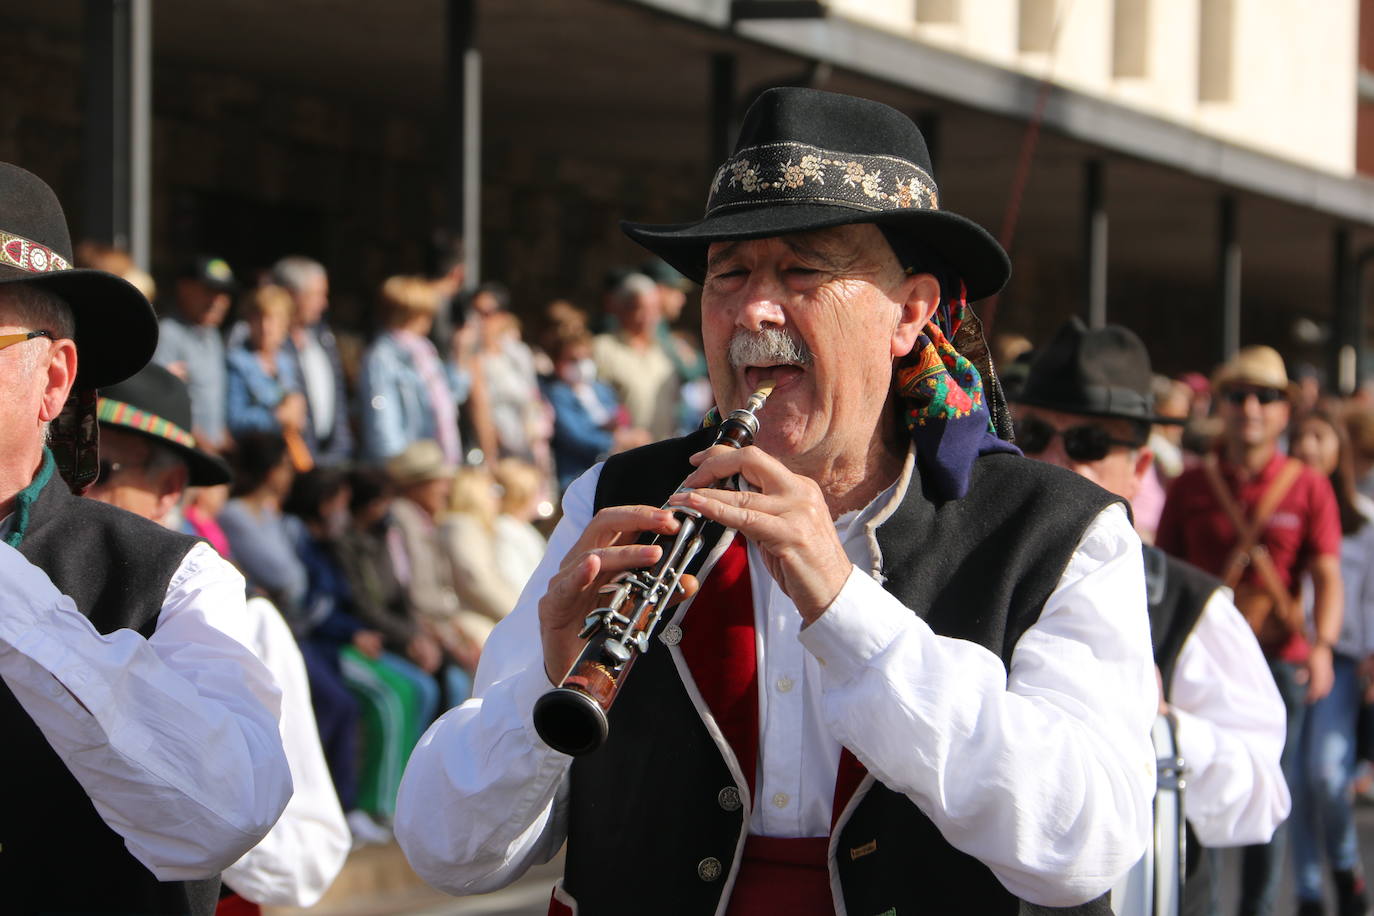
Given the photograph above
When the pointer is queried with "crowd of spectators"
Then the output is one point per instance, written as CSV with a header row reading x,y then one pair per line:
x,y
390,497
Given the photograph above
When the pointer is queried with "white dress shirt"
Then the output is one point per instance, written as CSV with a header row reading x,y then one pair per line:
x,y
1045,773
1231,727
298,860
174,737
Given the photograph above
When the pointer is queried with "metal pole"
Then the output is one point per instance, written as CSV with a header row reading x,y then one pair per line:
x,y
1094,245
141,132
723,127
1343,320
463,127
1228,276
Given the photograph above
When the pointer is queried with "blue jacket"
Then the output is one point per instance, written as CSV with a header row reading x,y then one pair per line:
x,y
578,442
252,395
394,401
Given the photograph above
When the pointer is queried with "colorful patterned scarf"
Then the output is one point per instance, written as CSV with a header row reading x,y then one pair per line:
x,y
952,414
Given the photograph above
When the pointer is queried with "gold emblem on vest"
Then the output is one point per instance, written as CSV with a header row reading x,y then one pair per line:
x,y
859,852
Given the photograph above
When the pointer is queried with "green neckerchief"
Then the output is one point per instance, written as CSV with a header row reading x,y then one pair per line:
x,y
27,497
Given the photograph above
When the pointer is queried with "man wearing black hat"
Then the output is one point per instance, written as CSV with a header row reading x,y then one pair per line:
x,y
148,458
141,738
1088,405
917,681
191,345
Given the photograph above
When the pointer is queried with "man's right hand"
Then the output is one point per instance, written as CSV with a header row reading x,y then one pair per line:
x,y
607,547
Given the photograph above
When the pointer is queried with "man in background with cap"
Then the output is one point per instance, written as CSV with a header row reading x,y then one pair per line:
x,y
141,742
1087,405
148,458
191,346
1258,520
915,678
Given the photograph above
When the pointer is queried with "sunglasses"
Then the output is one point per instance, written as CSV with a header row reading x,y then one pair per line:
x,y
9,340
1238,396
1088,442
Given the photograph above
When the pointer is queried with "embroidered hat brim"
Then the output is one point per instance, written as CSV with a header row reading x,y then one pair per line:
x,y
116,328
810,160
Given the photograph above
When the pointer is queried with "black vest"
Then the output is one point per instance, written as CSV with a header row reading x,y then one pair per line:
x,y
653,808
56,854
1177,593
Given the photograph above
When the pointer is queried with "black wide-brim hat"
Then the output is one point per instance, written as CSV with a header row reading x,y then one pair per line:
x,y
116,329
1096,372
809,160
154,403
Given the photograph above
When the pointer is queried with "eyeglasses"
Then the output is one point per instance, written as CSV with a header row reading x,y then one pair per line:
x,y
1088,442
9,340
1238,396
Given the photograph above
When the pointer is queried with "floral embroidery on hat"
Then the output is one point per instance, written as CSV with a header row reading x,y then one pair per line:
x,y
27,255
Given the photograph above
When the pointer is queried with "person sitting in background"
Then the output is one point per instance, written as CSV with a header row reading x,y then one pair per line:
x,y
523,498
517,425
588,421
407,393
190,346
423,480
632,362
680,342
316,352
379,600
1323,809
149,459
263,385
468,530
397,699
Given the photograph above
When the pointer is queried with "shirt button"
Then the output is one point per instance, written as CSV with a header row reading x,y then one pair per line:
x,y
672,635
780,800
784,684
708,869
729,799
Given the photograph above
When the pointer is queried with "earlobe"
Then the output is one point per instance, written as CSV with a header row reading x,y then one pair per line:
x,y
923,297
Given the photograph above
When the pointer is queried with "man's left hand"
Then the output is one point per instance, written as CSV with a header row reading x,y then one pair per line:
x,y
1320,673
785,516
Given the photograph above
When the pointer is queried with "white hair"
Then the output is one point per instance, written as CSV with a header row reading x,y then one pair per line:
x,y
295,271
40,309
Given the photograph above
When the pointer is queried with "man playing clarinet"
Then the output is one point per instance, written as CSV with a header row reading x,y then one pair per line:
x,y
912,675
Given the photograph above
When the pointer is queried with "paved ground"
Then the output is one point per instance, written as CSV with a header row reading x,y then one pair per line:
x,y
530,895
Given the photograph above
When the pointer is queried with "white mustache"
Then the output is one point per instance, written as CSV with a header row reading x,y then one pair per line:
x,y
769,347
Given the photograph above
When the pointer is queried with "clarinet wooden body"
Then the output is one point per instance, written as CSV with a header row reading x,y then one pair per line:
x,y
572,717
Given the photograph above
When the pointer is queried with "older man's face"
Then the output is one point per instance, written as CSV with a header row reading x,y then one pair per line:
x,y
127,478
24,387
839,293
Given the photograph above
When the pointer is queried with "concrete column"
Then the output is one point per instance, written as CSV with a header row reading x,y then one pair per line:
x,y
1094,245
1345,318
117,124
724,125
463,133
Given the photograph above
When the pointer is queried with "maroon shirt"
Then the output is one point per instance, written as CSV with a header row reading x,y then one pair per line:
x,y
1305,525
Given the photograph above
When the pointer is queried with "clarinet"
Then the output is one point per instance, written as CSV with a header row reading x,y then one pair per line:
x,y
572,716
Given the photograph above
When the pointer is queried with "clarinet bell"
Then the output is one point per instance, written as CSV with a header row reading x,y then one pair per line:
x,y
571,722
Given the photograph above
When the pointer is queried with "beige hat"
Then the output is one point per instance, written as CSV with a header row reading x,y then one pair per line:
x,y
420,462
1255,365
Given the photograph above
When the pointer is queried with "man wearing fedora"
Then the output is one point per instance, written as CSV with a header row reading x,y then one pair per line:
x,y
915,678
1259,519
148,457
1088,405
141,738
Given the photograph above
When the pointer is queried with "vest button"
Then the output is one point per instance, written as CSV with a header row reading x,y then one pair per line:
x,y
729,799
672,635
708,869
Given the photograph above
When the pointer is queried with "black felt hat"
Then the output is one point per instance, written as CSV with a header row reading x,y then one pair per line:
x,y
154,403
116,330
810,160
1098,372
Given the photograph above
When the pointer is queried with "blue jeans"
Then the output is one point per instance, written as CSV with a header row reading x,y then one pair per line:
x,y
1262,865
1323,812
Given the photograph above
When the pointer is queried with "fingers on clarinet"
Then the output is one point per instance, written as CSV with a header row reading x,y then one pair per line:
x,y
628,556
610,524
690,585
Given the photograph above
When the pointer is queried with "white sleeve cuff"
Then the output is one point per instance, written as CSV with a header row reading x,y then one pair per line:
x,y
860,624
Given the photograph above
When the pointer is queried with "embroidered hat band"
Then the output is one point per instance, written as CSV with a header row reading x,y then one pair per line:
x,y
792,172
26,254
122,414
